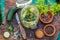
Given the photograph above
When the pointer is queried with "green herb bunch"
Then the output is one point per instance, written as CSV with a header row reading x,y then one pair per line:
x,y
44,8
41,6
54,8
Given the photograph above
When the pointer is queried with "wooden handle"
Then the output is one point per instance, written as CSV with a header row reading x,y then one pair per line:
x,y
22,31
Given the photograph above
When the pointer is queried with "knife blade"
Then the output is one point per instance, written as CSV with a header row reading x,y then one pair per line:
x,y
21,28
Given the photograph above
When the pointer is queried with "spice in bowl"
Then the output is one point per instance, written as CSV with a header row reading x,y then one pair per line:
x,y
49,30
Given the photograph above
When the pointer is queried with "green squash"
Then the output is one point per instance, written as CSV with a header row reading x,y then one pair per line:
x,y
11,13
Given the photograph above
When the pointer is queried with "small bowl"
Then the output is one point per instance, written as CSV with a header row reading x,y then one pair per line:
x,y
53,30
21,5
49,19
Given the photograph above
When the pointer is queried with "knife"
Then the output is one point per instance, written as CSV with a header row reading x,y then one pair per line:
x,y
21,28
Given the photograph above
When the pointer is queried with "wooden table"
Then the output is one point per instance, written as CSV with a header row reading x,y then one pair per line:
x,y
30,33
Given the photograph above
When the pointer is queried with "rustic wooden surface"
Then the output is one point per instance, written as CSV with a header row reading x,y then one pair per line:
x,y
30,33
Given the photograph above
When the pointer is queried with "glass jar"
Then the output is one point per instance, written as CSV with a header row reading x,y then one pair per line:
x,y
29,18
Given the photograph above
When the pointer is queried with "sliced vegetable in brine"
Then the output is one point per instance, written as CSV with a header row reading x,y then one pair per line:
x,y
29,16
